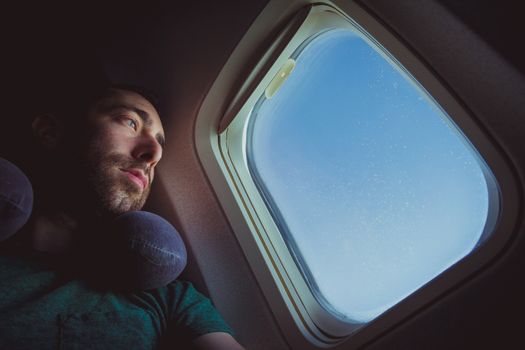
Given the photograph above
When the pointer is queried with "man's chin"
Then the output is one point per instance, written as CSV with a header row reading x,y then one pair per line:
x,y
115,194
119,202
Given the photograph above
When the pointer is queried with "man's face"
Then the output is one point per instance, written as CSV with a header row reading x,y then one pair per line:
x,y
123,146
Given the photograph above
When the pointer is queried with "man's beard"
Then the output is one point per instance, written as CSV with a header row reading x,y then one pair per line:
x,y
110,192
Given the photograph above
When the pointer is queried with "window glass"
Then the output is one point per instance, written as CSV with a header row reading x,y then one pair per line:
x,y
374,189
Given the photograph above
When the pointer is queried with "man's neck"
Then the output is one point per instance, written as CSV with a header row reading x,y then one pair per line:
x,y
52,232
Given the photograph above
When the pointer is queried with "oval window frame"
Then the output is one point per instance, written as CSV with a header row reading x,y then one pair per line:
x,y
224,160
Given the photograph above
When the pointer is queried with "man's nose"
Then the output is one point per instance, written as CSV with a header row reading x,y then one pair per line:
x,y
148,150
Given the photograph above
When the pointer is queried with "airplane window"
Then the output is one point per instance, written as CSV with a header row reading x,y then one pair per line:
x,y
374,188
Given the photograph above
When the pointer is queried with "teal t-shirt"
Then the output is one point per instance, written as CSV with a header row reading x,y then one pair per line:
x,y
42,308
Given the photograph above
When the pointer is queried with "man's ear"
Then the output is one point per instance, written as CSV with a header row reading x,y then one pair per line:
x,y
48,130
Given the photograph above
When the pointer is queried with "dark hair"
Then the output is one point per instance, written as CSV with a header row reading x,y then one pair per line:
x,y
72,107
68,90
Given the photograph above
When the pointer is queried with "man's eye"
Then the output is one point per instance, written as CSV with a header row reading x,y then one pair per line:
x,y
132,123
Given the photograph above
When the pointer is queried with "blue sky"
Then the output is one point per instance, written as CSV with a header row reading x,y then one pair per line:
x,y
380,192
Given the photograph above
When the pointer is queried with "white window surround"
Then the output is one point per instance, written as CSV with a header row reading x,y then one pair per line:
x,y
224,159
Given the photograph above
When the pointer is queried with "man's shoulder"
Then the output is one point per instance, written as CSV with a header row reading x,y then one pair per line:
x,y
172,295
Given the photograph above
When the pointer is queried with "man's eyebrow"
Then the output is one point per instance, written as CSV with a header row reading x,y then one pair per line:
x,y
146,119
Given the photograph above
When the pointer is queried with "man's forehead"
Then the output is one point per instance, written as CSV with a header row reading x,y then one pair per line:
x,y
133,97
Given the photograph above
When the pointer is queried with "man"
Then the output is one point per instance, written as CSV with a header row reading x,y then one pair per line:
x,y
88,170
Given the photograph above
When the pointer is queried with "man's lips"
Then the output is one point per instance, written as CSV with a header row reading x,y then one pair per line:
x,y
137,176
